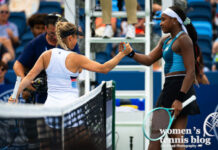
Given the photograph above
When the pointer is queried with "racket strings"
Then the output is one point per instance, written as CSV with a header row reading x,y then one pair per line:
x,y
159,121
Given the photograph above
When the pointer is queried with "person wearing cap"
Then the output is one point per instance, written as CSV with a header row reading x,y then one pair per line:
x,y
63,66
31,53
179,50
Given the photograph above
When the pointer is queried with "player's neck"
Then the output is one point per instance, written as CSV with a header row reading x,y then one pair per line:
x,y
174,32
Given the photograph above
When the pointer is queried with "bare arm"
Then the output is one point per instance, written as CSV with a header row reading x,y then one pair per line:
x,y
187,53
186,49
85,63
153,56
8,45
19,69
37,68
15,39
6,57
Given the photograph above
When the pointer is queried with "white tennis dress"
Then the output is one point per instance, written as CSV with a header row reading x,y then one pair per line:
x,y
62,83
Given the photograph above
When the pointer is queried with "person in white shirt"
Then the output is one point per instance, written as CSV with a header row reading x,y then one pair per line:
x,y
63,66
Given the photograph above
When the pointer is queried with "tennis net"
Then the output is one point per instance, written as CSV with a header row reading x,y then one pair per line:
x,y
86,123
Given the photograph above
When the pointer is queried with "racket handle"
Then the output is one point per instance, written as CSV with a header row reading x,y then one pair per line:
x,y
16,87
188,101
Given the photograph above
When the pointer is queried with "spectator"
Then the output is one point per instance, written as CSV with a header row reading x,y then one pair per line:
x,y
182,4
131,7
5,56
5,87
37,24
7,45
2,2
32,52
215,55
30,7
3,71
8,29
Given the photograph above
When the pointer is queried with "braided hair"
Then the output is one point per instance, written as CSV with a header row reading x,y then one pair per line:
x,y
62,27
192,34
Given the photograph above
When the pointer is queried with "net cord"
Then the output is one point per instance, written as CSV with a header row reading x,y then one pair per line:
x,y
34,111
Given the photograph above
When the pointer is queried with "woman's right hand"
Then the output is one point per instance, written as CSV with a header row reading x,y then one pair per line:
x,y
11,100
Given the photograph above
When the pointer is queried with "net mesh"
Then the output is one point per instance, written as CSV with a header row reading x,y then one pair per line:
x,y
84,124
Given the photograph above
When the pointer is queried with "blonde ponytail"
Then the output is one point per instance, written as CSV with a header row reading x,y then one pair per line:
x,y
60,28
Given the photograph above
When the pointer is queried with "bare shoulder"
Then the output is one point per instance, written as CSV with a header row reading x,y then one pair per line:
x,y
47,53
184,39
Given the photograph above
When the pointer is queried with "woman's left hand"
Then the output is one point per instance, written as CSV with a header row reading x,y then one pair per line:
x,y
177,106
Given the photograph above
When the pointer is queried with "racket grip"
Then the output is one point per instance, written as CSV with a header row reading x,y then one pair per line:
x,y
188,101
18,80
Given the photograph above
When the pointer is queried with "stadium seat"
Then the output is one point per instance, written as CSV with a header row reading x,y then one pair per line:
x,y
190,1
156,19
207,60
205,44
203,28
128,61
19,19
49,7
11,64
26,38
10,76
27,35
200,10
102,57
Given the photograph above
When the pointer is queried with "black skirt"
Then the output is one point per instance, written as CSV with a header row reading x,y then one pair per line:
x,y
171,88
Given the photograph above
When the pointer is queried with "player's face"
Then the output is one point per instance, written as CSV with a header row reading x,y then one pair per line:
x,y
38,29
166,23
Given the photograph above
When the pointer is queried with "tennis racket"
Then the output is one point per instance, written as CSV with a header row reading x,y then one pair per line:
x,y
18,80
160,120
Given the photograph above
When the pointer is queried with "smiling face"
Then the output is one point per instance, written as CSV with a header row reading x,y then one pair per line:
x,y
166,23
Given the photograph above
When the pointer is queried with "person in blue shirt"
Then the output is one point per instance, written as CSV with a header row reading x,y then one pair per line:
x,y
8,29
31,53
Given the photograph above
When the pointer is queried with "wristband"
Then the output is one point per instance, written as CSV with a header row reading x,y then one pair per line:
x,y
130,55
180,96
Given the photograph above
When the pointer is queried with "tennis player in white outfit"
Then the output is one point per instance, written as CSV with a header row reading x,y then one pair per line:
x,y
63,66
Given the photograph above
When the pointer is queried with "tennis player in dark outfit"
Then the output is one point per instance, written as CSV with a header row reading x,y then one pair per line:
x,y
179,50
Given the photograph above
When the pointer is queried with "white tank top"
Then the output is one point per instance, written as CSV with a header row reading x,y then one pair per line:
x,y
62,83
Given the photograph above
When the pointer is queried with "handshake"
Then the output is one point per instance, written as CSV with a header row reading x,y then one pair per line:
x,y
126,49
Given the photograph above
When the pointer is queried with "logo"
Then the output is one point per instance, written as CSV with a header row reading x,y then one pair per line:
x,y
210,125
166,49
215,129
73,82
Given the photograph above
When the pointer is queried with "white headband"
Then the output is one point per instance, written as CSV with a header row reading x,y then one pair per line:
x,y
169,12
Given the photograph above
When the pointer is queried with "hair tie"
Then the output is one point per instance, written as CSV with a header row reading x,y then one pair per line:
x,y
187,21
